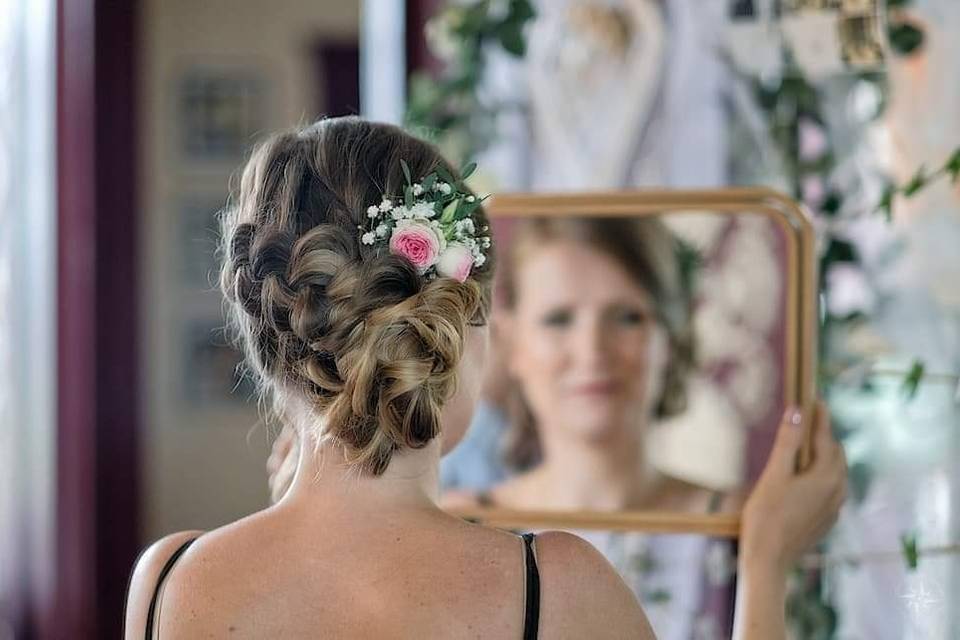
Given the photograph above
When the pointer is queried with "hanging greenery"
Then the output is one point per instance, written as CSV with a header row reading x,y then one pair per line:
x,y
449,108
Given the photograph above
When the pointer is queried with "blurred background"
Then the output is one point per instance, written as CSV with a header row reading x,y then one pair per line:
x,y
122,126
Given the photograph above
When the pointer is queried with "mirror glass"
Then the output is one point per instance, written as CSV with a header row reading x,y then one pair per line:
x,y
636,364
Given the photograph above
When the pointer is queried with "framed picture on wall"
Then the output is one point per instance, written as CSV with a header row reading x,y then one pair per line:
x,y
197,236
218,112
211,377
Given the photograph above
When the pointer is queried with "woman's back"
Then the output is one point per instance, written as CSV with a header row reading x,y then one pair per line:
x,y
394,573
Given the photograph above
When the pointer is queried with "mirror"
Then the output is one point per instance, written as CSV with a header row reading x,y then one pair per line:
x,y
644,347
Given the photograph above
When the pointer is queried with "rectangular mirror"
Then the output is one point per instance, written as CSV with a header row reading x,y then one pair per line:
x,y
644,347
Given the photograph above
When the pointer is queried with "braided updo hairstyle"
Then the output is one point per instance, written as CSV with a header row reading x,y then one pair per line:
x,y
369,342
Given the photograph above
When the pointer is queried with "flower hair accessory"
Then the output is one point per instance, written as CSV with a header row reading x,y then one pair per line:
x,y
431,225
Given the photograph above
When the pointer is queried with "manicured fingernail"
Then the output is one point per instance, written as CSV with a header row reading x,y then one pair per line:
x,y
795,416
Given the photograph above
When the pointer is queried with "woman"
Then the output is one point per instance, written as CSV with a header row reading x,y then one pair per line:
x,y
368,336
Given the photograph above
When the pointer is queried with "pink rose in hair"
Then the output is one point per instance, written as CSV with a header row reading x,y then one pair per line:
x,y
419,243
456,262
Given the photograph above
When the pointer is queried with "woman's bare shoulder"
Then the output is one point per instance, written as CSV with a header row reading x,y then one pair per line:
x,y
514,493
581,593
145,577
460,499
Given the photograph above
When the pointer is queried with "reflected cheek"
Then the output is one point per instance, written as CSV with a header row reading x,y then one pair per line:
x,y
539,363
630,358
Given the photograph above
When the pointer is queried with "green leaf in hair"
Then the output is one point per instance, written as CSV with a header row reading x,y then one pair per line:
x,y
449,212
428,182
445,175
468,170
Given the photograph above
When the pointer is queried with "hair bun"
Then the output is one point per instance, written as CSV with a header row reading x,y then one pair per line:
x,y
399,362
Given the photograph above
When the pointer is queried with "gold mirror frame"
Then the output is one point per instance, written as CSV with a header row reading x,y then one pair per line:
x,y
800,358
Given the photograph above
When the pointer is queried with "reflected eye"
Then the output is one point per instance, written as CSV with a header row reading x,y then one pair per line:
x,y
631,317
558,318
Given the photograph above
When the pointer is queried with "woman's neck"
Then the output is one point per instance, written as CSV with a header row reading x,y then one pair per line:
x,y
609,475
325,480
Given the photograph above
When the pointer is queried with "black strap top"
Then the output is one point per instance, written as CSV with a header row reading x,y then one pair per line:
x,y
152,611
531,586
531,616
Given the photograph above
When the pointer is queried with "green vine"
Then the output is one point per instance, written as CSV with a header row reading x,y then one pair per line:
x,y
448,108
920,180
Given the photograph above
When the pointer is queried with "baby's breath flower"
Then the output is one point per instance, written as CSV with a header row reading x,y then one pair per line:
x,y
382,230
422,210
417,189
373,211
368,238
386,205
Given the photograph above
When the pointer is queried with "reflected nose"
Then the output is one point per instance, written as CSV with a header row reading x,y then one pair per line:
x,y
594,342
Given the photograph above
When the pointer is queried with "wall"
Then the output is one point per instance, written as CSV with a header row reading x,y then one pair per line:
x,y
202,461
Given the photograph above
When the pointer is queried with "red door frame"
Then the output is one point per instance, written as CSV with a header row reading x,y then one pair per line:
x,y
97,417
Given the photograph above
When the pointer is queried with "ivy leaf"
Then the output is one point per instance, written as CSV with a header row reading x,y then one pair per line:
x,y
511,38
953,166
908,546
860,475
905,38
657,596
917,182
522,10
467,170
831,204
840,251
886,202
690,261
912,381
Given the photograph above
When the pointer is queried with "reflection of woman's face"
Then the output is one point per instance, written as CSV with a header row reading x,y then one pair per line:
x,y
585,343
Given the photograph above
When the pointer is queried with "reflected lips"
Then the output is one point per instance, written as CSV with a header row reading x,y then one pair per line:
x,y
595,388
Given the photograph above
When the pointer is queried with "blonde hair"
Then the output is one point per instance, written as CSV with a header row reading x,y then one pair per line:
x,y
648,252
370,343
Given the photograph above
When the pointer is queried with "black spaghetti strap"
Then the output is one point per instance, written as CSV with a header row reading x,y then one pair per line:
x,y
152,611
531,620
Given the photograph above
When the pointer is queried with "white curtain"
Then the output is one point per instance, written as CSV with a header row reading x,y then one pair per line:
x,y
27,306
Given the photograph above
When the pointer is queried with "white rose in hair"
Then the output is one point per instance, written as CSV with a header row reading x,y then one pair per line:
x,y
455,262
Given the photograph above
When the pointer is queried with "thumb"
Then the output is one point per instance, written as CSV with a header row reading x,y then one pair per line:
x,y
787,445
